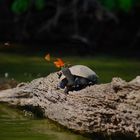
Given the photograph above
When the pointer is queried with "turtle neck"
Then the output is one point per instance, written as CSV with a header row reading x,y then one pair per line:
x,y
67,73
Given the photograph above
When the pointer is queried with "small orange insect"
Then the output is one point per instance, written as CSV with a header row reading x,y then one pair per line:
x,y
59,63
47,57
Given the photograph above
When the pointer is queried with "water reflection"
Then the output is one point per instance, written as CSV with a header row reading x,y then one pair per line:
x,y
15,126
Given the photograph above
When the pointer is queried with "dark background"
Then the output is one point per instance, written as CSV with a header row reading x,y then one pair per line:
x,y
80,27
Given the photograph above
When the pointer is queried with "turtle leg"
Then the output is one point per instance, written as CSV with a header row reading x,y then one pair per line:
x,y
66,91
69,88
62,84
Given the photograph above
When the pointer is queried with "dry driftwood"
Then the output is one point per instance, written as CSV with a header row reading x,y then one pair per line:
x,y
112,108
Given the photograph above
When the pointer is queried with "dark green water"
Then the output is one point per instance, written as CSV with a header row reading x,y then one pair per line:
x,y
15,126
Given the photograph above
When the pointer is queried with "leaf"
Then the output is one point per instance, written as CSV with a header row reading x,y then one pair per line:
x,y
47,57
126,5
59,63
20,6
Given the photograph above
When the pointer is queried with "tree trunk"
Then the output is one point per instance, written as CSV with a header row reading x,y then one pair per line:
x,y
112,108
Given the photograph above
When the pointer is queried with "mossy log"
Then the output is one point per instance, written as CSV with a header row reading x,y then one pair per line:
x,y
111,108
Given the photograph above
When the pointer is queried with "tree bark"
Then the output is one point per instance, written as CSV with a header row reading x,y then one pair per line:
x,y
111,108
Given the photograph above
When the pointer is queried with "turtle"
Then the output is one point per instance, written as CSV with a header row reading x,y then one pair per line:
x,y
76,78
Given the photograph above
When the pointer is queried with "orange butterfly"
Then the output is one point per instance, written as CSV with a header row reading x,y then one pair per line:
x,y
59,63
47,57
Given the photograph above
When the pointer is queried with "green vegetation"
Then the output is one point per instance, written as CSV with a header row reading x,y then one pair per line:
x,y
20,6
26,68
124,5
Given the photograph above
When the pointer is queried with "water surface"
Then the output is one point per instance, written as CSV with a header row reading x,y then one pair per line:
x,y
14,125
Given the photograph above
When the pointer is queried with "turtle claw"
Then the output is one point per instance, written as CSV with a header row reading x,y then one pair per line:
x,y
66,91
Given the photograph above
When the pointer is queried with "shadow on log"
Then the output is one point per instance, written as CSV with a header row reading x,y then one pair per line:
x,y
110,109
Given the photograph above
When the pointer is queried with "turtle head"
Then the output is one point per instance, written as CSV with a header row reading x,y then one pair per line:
x,y
67,73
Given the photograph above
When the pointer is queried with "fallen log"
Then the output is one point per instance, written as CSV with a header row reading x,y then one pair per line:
x,y
111,108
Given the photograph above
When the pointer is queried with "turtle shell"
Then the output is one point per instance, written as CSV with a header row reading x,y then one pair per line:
x,y
82,71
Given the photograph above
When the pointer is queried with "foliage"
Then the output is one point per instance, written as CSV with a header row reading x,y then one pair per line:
x,y
20,6
124,5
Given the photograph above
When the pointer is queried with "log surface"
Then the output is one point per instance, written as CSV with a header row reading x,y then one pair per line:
x,y
112,108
